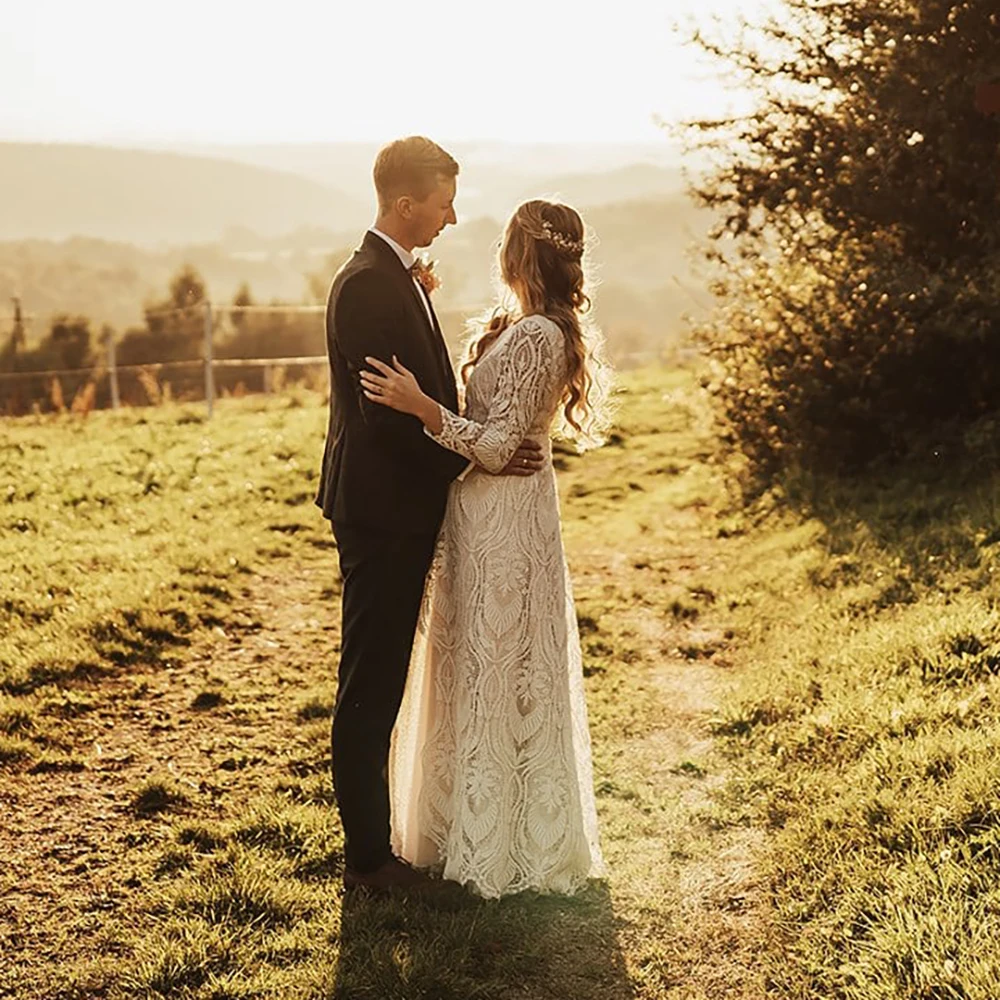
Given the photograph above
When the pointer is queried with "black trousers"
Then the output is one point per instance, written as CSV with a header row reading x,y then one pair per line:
x,y
384,577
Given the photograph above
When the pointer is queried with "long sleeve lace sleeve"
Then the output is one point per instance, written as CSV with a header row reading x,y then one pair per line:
x,y
530,368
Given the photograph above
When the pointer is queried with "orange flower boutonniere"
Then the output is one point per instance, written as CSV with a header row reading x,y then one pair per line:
x,y
423,271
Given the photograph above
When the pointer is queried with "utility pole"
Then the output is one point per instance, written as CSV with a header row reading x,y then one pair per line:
x,y
17,336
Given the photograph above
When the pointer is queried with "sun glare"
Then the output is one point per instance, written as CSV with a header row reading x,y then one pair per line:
x,y
117,71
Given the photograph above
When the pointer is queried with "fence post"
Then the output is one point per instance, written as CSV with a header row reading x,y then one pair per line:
x,y
209,381
113,373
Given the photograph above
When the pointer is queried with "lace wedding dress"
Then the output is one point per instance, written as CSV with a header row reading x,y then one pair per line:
x,y
490,768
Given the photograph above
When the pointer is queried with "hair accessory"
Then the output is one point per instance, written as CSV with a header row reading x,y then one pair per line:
x,y
559,239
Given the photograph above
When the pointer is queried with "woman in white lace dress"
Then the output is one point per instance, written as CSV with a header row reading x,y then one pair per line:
x,y
490,771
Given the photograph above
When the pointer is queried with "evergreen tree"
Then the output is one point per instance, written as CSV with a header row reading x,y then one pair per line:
x,y
175,326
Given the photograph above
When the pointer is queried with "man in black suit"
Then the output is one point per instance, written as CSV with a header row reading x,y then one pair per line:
x,y
384,485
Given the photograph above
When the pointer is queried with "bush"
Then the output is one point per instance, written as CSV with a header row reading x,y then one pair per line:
x,y
859,235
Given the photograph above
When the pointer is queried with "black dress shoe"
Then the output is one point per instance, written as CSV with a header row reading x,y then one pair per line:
x,y
394,876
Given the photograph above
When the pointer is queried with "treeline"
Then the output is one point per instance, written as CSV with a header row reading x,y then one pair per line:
x,y
173,330
645,281
108,281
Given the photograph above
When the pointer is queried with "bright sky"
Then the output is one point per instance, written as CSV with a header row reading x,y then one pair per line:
x,y
330,70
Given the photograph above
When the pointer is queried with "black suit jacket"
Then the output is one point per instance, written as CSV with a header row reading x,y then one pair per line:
x,y
380,470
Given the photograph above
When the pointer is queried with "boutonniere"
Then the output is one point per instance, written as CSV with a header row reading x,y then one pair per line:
x,y
423,271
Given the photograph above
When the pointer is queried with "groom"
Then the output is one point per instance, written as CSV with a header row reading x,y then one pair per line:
x,y
383,485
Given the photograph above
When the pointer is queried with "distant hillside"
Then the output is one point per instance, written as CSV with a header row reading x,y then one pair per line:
x,y
585,190
157,198
153,198
495,176
645,279
642,244
111,281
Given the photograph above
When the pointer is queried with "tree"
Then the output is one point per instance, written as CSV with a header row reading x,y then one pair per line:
x,y
17,334
187,289
175,326
988,98
67,345
241,300
859,232
68,342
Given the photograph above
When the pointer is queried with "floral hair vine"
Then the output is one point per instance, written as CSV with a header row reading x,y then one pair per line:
x,y
559,239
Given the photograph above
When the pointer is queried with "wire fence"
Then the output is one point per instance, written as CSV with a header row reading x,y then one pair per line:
x,y
99,384
106,373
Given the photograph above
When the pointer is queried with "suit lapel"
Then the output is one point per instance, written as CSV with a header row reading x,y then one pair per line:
x,y
442,347
387,255
432,329
430,308
418,297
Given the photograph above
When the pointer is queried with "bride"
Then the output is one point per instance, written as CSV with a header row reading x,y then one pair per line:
x,y
490,770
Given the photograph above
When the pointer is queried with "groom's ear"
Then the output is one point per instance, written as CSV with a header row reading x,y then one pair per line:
x,y
404,206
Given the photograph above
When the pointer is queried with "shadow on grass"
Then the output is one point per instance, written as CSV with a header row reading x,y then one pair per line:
x,y
459,947
925,518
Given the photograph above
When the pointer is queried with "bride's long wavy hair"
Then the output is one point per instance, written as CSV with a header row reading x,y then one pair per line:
x,y
542,270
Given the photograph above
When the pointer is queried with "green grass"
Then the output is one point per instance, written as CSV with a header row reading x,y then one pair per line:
x,y
866,735
124,534
830,656
148,531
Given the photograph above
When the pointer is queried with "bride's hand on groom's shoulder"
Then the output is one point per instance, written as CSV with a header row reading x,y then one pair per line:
x,y
395,386
398,388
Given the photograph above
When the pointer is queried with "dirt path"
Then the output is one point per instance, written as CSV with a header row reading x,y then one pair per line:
x,y
75,849
704,872
78,857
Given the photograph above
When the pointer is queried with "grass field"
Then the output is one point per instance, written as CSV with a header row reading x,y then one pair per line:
x,y
866,737
167,664
793,709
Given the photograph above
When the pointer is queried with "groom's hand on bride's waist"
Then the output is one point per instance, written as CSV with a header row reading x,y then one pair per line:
x,y
526,461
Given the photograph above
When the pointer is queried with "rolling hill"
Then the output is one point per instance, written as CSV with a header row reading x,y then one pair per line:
x,y
495,176
155,198
164,197
99,231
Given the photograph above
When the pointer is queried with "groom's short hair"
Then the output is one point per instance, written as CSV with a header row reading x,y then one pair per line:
x,y
410,166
